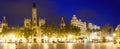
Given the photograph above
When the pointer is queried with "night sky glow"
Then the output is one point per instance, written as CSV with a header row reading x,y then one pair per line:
x,y
98,12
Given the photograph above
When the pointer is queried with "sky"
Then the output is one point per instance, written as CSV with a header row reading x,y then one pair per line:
x,y
99,12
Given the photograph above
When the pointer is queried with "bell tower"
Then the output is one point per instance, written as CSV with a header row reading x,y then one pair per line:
x,y
34,15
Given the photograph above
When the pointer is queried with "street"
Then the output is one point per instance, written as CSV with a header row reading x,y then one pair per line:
x,y
61,46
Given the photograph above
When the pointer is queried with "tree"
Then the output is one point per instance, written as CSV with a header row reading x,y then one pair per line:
x,y
106,29
5,30
51,30
73,30
47,30
27,32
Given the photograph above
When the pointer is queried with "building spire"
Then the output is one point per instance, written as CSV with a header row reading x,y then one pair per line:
x,y
34,15
34,5
62,23
4,20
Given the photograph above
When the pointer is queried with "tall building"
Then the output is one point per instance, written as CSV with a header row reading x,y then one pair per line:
x,y
78,23
32,23
74,21
34,15
62,23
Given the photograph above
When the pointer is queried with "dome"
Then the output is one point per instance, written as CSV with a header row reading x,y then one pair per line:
x,y
74,17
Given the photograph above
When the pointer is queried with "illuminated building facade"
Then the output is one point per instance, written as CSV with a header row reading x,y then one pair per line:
x,y
117,30
27,23
4,23
80,24
41,22
34,23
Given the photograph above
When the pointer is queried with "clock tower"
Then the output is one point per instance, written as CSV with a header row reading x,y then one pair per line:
x,y
34,15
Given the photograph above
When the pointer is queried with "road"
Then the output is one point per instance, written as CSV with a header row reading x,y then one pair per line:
x,y
61,46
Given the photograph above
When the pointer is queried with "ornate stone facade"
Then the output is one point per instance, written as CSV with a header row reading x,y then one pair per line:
x,y
32,23
78,23
27,23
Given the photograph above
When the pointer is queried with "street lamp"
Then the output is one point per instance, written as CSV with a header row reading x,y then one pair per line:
x,y
69,36
12,37
114,34
45,38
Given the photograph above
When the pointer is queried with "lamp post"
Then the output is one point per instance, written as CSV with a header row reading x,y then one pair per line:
x,y
12,37
69,37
